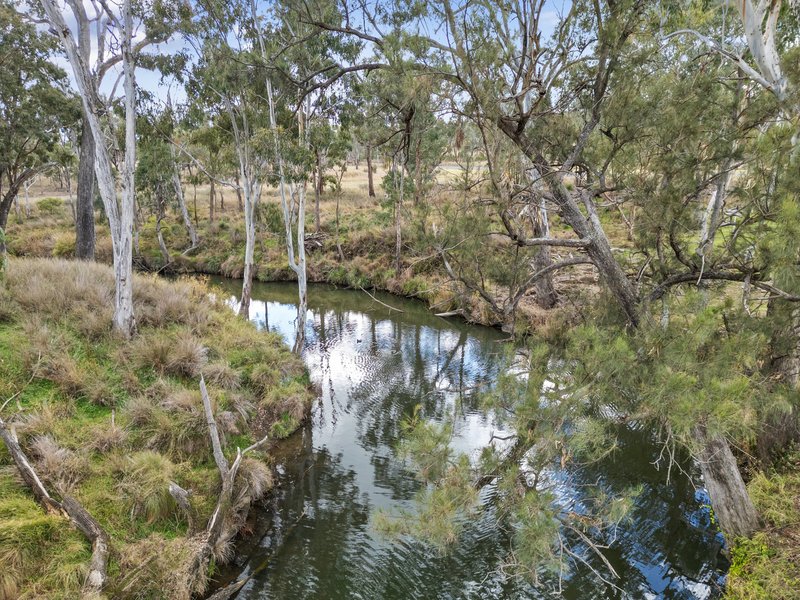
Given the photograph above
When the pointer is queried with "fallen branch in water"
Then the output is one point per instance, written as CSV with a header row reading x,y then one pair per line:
x,y
383,303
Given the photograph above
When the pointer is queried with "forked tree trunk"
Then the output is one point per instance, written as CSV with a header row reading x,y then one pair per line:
x,y
732,505
84,217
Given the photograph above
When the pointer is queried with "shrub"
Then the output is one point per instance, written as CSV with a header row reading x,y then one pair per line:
x,y
51,207
64,245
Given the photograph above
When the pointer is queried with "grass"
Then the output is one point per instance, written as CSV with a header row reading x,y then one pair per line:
x,y
767,566
365,236
113,422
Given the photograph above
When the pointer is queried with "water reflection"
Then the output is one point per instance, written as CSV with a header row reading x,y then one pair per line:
x,y
373,366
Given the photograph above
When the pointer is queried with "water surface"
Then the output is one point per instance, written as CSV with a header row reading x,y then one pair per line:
x,y
373,365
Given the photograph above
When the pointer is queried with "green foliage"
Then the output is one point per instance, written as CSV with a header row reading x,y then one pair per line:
x,y
51,207
766,566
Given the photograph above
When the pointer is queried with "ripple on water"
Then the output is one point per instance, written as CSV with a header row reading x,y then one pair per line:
x,y
373,366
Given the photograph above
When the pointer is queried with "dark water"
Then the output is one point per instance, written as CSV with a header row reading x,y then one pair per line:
x,y
373,366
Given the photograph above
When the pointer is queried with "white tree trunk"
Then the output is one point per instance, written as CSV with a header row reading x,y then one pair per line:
x,y
297,260
251,197
176,183
120,214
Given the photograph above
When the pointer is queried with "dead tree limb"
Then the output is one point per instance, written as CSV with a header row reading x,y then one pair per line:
x,y
68,506
230,510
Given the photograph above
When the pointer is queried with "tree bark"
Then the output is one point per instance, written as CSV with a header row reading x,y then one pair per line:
x,y
398,225
317,190
211,202
176,183
84,217
546,296
120,213
249,252
161,244
732,505
371,185
589,228
5,207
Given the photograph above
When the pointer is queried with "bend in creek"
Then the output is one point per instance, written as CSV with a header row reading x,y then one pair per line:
x,y
373,366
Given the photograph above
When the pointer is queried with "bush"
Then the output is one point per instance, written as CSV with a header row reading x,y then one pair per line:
x,y
181,354
64,245
51,207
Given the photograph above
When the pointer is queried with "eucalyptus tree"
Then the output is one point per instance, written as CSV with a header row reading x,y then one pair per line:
x,y
167,130
115,29
299,67
34,105
221,79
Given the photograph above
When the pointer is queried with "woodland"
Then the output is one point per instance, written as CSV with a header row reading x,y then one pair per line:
x,y
614,184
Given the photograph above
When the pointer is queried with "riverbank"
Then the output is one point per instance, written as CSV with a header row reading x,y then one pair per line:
x,y
768,564
361,255
114,424
354,247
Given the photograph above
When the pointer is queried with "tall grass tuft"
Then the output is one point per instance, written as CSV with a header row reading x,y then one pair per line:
x,y
181,354
61,467
145,485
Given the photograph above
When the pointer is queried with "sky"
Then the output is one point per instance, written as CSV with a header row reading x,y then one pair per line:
x,y
160,88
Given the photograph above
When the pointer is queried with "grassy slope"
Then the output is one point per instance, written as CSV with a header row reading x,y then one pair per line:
x,y
113,422
768,565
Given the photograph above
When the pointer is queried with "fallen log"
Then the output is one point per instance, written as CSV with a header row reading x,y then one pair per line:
x,y
68,507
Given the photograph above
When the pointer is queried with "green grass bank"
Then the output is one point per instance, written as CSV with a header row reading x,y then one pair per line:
x,y
114,422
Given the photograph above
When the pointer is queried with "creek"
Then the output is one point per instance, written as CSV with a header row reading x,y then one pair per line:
x,y
314,538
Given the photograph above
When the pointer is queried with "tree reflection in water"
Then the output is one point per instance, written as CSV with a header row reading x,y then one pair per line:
x,y
373,366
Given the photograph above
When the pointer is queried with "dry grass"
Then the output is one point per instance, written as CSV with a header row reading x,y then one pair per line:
x,y
181,354
75,376
61,467
222,375
257,476
42,421
107,437
146,578
145,485
81,294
